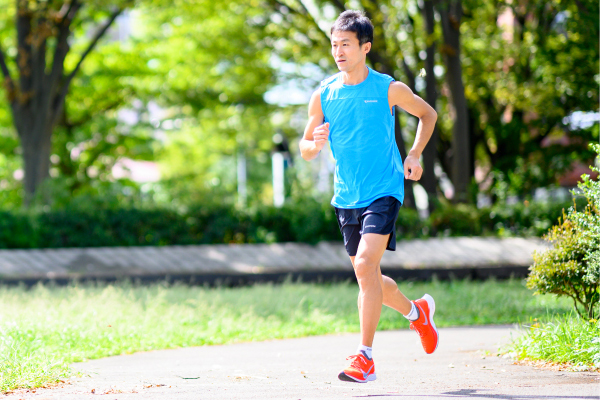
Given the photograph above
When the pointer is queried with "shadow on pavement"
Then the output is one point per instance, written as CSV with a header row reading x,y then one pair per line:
x,y
477,393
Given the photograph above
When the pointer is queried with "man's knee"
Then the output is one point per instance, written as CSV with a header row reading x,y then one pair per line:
x,y
365,269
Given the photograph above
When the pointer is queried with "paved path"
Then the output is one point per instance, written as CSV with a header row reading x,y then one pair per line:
x,y
307,369
461,257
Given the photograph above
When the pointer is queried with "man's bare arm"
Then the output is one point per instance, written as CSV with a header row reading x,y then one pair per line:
x,y
400,95
316,133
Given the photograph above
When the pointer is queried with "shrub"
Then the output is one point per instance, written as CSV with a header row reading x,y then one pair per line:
x,y
94,224
456,220
524,218
312,221
409,225
572,267
16,230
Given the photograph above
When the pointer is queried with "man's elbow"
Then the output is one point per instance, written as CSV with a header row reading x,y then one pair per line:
x,y
433,114
304,155
307,156
305,150
428,116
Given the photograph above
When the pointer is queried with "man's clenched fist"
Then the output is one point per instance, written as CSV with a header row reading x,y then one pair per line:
x,y
321,135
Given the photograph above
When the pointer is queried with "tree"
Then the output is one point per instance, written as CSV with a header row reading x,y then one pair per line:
x,y
36,92
450,14
529,67
210,79
431,95
201,78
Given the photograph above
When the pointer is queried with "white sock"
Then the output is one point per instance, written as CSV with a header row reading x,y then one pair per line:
x,y
413,315
367,351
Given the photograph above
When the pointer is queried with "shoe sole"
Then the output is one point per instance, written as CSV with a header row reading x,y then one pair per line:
x,y
343,377
431,304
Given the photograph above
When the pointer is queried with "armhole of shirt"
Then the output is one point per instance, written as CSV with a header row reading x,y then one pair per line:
x,y
321,90
392,80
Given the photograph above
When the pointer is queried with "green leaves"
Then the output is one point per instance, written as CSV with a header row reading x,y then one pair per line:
x,y
206,65
566,339
572,267
188,64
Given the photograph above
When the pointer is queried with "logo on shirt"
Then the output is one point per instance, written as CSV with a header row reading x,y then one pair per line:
x,y
370,101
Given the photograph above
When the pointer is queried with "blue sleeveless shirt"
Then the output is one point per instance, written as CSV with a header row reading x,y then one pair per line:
x,y
368,165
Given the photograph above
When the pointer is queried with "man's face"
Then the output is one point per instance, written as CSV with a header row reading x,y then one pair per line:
x,y
346,50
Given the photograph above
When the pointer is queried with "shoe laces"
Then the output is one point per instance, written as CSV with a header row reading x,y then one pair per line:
x,y
358,361
417,328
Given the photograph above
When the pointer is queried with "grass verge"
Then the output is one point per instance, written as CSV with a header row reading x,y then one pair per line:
x,y
45,328
567,340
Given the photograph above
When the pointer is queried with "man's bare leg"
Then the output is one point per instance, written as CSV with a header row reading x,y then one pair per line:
x,y
395,299
374,289
392,296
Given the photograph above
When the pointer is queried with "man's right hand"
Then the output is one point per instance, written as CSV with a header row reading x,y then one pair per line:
x,y
321,135
315,135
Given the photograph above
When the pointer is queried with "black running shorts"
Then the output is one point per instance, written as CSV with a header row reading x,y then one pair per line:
x,y
378,217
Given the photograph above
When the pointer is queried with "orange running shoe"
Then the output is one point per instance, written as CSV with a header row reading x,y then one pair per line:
x,y
361,370
425,326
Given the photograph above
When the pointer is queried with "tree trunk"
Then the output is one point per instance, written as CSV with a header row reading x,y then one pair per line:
x,y
36,157
37,97
429,180
451,12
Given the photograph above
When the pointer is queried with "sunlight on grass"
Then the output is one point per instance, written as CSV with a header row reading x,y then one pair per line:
x,y
563,339
44,329
20,367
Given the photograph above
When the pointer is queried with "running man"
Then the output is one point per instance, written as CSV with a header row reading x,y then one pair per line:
x,y
354,111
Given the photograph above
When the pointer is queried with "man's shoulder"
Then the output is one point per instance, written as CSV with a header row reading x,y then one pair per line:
x,y
381,76
330,80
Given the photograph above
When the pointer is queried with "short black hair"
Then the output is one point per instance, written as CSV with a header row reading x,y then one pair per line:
x,y
355,21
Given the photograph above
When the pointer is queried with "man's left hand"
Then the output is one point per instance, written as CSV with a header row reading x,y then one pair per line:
x,y
412,168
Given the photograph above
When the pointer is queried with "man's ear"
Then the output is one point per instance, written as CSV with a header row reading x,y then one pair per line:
x,y
367,47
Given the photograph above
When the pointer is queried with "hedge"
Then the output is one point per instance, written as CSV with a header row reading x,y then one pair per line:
x,y
571,267
306,221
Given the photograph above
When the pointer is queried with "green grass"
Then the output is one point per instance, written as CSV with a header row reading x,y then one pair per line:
x,y
44,329
563,339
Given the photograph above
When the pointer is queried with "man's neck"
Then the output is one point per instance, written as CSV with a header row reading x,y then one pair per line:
x,y
356,76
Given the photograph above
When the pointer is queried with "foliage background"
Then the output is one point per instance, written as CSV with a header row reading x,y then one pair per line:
x,y
193,85
308,221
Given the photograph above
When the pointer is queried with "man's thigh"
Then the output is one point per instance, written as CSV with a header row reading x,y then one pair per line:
x,y
371,248
377,218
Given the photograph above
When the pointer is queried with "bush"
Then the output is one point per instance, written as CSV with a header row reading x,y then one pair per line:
x,y
572,267
309,222
16,230
301,220
409,225
111,227
526,218
456,220
312,221
520,219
